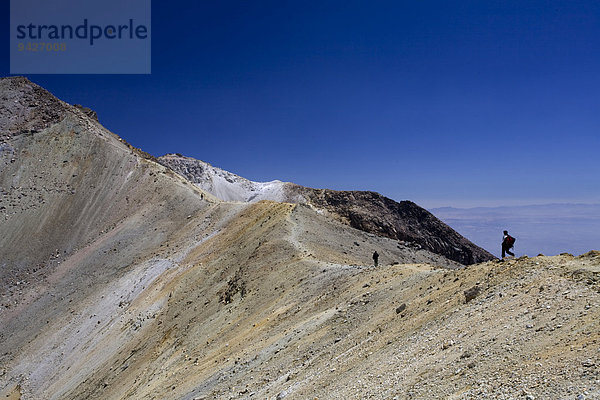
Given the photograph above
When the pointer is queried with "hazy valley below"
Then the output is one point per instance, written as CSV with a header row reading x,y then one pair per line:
x,y
548,229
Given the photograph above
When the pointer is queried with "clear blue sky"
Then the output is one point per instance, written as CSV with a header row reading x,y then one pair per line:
x,y
458,103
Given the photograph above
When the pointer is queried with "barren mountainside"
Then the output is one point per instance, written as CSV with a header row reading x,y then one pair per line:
x,y
367,211
120,279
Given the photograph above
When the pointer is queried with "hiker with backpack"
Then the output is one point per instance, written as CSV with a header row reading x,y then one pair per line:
x,y
508,242
376,258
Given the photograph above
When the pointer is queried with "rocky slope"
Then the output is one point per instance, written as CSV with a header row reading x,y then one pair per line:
x,y
122,280
367,211
84,213
26,108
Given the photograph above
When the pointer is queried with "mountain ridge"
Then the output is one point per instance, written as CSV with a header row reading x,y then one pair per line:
x,y
368,211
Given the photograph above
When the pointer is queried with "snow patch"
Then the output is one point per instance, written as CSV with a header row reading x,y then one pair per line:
x,y
226,185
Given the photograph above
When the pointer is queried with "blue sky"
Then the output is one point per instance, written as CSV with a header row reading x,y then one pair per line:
x,y
446,103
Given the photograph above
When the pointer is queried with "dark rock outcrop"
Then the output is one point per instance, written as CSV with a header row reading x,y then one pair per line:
x,y
404,221
471,293
87,111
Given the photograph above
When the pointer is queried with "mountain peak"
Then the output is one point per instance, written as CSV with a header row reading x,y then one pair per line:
x,y
223,184
26,107
16,80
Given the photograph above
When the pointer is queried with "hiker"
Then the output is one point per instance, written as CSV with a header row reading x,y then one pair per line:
x,y
375,258
508,243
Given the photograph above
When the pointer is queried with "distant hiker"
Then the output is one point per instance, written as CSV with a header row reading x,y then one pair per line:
x,y
375,258
508,243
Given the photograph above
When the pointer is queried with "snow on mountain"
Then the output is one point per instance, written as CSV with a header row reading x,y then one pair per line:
x,y
226,185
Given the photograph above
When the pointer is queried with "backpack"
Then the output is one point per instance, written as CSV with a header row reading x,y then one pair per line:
x,y
510,241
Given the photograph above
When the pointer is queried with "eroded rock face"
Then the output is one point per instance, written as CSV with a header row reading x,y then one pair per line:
x,y
87,111
26,107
